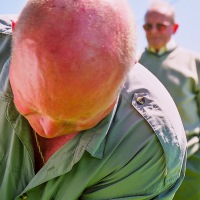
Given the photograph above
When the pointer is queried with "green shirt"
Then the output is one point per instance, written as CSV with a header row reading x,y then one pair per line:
x,y
137,152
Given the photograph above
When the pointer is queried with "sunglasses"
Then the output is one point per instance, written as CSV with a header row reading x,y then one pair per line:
x,y
159,26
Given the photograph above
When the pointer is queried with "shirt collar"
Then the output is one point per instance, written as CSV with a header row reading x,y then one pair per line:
x,y
169,46
97,135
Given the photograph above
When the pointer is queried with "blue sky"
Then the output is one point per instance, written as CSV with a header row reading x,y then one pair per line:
x,y
187,16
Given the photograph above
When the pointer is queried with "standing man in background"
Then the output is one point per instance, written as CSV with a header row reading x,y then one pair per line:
x,y
179,70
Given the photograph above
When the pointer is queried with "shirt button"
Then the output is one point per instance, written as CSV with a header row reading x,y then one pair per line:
x,y
140,100
24,196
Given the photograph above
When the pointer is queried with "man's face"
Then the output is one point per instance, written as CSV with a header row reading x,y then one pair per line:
x,y
159,29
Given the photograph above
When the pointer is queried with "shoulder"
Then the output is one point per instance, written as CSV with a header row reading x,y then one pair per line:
x,y
142,54
141,81
159,111
5,50
187,52
147,58
190,58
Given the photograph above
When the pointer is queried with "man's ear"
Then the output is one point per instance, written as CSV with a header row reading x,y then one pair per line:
x,y
175,28
13,24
